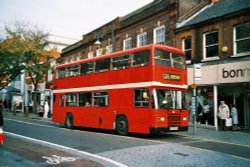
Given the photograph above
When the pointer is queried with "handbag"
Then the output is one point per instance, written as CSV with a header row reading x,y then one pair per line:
x,y
229,122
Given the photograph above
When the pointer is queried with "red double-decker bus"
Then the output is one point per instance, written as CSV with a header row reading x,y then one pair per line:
x,y
141,90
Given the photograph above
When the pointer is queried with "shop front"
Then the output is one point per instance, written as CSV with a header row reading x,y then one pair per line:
x,y
229,82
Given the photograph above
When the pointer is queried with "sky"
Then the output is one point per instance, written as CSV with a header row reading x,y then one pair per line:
x,y
67,18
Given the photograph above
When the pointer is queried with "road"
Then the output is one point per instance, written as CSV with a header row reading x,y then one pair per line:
x,y
134,150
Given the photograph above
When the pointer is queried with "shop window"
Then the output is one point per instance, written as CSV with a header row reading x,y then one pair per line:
x,y
142,39
159,35
187,48
141,98
127,44
211,45
242,38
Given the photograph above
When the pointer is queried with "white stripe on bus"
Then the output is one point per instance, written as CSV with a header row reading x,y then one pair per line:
x,y
119,86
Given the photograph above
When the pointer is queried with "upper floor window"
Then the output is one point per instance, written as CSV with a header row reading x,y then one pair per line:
x,y
127,44
99,52
109,49
159,35
187,47
142,39
90,55
211,45
242,38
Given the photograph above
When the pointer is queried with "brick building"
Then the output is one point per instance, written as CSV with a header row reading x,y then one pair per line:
x,y
213,33
218,38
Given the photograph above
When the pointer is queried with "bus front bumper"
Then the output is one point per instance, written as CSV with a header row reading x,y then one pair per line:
x,y
164,130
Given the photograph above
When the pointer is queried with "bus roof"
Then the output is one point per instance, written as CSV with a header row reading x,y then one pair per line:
x,y
151,46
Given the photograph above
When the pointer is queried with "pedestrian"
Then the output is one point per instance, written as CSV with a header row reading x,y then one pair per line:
x,y
46,110
5,105
1,114
206,112
9,105
234,114
223,114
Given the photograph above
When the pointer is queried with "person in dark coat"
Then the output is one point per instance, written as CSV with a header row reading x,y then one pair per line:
x,y
1,114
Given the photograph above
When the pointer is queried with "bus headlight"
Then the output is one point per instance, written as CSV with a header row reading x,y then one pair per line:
x,y
160,119
184,118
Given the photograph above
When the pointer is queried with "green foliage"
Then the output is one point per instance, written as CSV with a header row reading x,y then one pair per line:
x,y
24,48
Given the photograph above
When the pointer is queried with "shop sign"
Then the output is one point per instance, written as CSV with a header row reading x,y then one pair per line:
x,y
234,72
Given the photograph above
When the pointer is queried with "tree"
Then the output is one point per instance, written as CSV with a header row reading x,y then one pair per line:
x,y
24,49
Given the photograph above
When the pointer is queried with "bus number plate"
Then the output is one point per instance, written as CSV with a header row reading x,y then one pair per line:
x,y
174,128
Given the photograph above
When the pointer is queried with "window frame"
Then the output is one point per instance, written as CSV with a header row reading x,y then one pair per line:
x,y
187,49
141,100
142,39
239,40
126,42
205,56
162,36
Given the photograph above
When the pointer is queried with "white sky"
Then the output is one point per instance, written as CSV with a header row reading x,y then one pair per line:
x,y
70,18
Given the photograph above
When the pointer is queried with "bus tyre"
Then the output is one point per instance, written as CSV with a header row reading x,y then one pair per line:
x,y
69,122
122,125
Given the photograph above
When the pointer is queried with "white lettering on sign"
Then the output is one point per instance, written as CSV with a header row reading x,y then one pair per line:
x,y
55,159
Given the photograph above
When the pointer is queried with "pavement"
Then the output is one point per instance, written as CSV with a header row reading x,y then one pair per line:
x,y
206,133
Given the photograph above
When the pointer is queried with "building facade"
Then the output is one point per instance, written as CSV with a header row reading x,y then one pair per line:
x,y
218,38
213,33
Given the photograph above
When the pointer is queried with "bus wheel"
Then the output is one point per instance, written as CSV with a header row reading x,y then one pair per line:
x,y
122,125
69,122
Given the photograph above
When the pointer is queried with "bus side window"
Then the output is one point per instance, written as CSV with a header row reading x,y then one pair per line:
x,y
141,98
102,65
62,100
85,99
141,58
121,62
86,68
101,99
60,73
71,100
